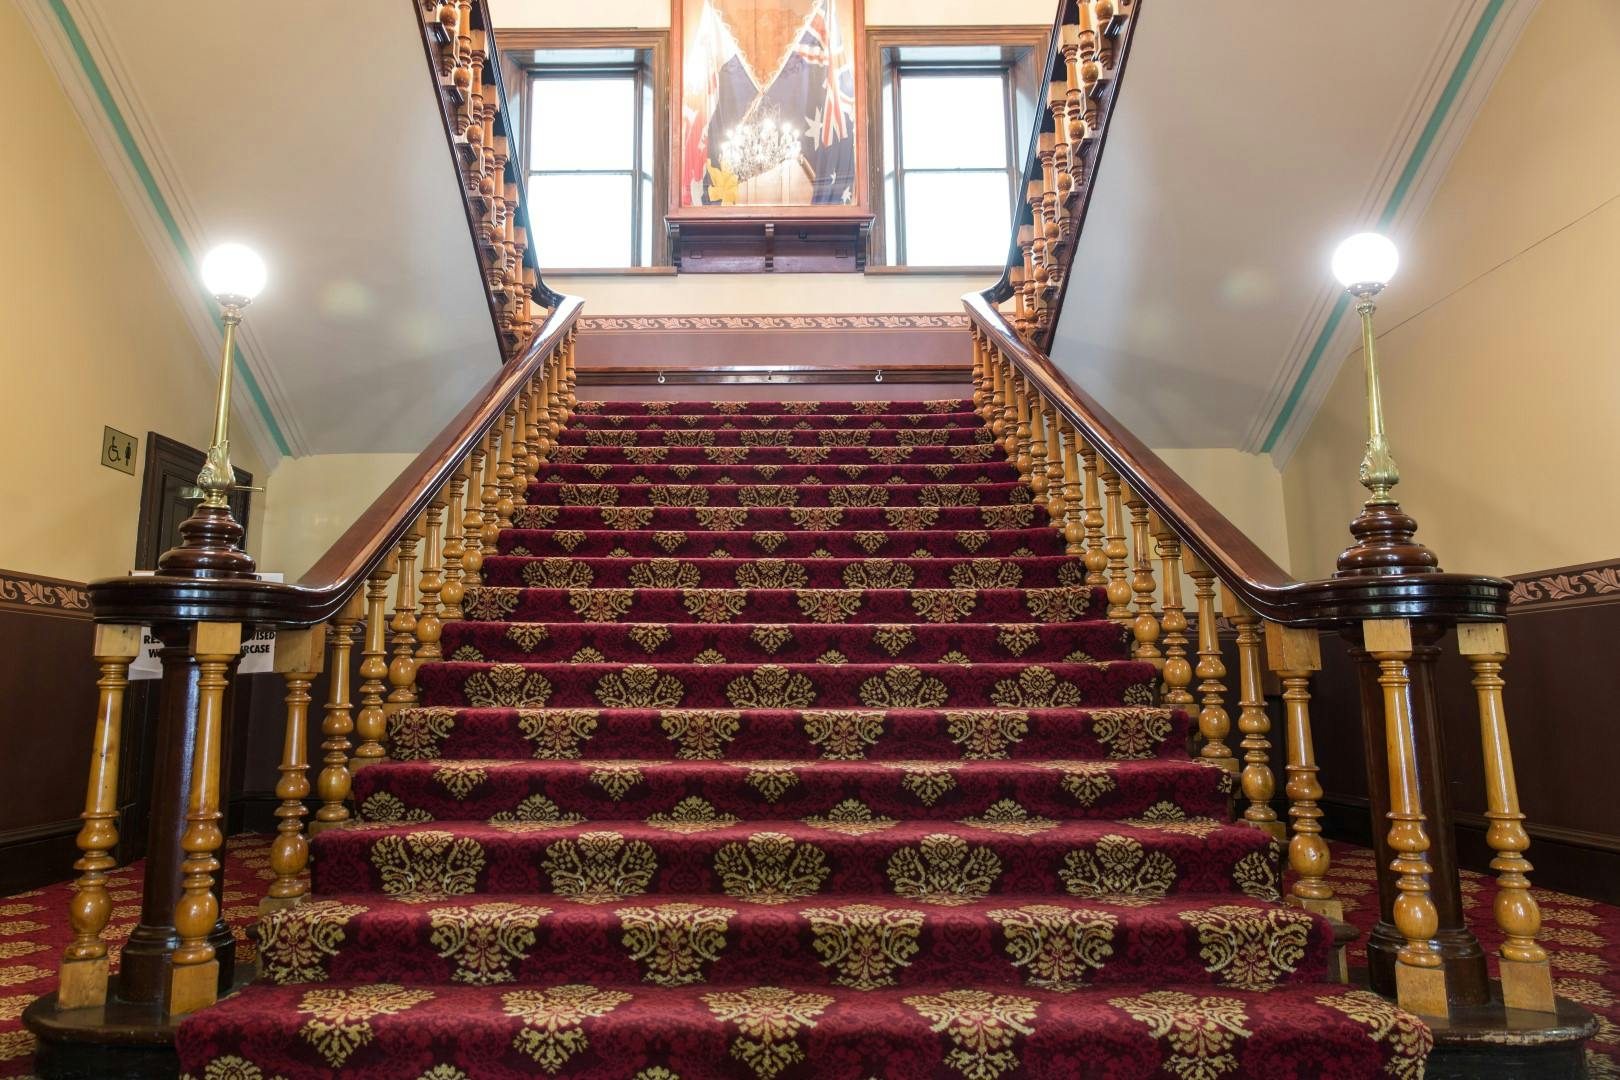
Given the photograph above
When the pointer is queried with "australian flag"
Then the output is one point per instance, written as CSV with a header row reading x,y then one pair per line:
x,y
816,92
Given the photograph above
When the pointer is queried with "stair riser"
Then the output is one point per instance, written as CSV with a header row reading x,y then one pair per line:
x,y
987,472
845,495
765,421
859,435
763,408
664,572
781,518
600,792
781,644
938,454
636,859
720,942
961,544
631,734
825,606
735,686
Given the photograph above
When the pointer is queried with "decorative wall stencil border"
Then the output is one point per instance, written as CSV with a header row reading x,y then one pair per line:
x,y
704,323
1590,583
44,595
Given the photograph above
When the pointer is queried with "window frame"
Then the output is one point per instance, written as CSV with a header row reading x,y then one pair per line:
x,y
1024,50
651,107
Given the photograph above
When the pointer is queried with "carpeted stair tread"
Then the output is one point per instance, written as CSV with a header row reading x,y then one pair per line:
x,y
940,453
596,1031
695,572
561,642
773,421
691,847
1114,734
733,605
766,408
1030,794
814,519
774,436
796,685
766,543
750,473
1004,493
682,939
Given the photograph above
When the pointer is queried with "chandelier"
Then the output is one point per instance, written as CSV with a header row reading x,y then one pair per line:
x,y
753,148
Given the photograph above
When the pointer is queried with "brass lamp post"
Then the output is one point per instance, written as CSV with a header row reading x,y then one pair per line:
x,y
1364,265
211,538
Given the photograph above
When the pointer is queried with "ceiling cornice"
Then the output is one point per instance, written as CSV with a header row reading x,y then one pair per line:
x,y
88,68
1437,121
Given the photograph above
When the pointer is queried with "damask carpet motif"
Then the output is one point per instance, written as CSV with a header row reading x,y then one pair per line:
x,y
786,740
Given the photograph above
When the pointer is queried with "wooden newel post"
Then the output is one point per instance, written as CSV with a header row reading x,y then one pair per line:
x,y
195,980
1420,976
1295,655
300,655
1526,974
84,961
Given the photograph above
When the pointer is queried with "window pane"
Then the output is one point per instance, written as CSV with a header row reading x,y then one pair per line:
x,y
953,121
581,123
957,219
582,220
647,222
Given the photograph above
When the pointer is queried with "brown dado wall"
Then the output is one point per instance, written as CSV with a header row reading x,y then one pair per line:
x,y
1563,683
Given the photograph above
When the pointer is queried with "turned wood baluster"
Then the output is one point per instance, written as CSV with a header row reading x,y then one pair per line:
x,y
1021,436
1214,725
1058,101
429,627
1294,654
1145,624
1115,550
534,430
402,669
300,655
1178,671
1038,482
459,50
472,523
1021,323
978,371
1026,243
999,400
1046,154
520,450
1526,975
84,961
371,722
570,376
1074,109
1074,492
195,979
1258,782
1009,441
554,403
490,497
455,548
504,471
1420,978
1092,14
1096,556
334,782
1055,496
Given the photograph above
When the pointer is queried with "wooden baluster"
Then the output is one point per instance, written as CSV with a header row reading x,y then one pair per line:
x,y
1526,975
1115,550
1178,671
504,472
1046,154
1089,55
334,782
978,371
1145,623
1096,547
1009,441
402,669
1420,978
536,435
1038,481
554,403
998,398
1026,243
300,655
520,451
1295,654
371,722
194,982
84,962
1214,725
1020,436
429,627
1035,196
1258,782
1074,493
490,497
1055,495
472,523
571,377
1021,323
1074,109
1057,100
455,548
460,50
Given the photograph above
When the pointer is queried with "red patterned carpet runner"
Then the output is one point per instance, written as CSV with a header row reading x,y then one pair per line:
x,y
784,741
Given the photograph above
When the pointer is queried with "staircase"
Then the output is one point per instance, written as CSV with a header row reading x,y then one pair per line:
x,y
784,740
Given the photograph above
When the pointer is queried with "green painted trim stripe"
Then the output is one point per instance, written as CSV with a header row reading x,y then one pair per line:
x,y
1403,187
154,195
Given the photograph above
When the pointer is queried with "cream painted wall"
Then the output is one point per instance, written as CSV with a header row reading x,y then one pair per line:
x,y
768,294
312,500
656,13
93,336
1246,487
1498,339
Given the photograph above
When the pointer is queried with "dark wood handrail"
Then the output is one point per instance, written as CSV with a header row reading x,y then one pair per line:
x,y
328,585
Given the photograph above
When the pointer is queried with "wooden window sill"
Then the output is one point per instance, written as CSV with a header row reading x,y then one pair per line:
x,y
938,271
611,271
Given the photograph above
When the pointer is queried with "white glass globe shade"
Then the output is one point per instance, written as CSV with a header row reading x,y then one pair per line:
x,y
1365,259
234,270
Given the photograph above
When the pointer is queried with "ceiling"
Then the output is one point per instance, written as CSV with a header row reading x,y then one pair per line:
x,y
310,131
1246,141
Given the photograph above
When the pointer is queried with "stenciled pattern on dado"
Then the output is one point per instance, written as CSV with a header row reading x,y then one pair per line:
x,y
789,740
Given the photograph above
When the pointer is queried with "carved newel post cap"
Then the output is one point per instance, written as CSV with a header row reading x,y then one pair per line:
x,y
210,547
1386,543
